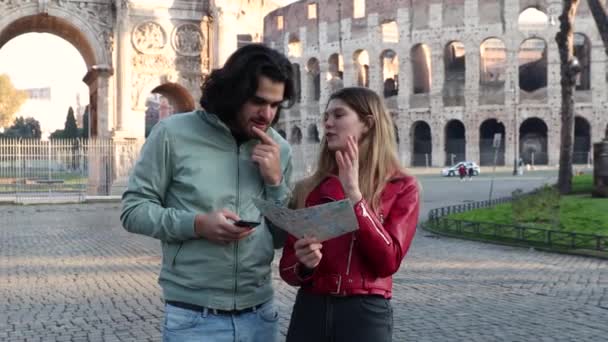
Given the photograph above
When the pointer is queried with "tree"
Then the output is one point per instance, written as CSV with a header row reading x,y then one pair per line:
x,y
11,100
568,70
24,128
85,123
601,20
58,134
70,129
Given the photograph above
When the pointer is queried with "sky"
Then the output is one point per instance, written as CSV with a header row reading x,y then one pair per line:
x,y
37,60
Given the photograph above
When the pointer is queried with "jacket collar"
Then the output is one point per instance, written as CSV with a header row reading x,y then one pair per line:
x,y
215,121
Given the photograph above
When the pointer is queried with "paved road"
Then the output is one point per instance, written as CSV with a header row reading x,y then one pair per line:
x,y
70,273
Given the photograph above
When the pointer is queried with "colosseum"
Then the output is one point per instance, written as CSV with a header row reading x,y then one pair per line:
x,y
453,73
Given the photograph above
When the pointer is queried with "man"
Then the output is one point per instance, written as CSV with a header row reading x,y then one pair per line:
x,y
196,176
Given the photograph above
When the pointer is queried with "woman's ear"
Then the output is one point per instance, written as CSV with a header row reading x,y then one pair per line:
x,y
369,122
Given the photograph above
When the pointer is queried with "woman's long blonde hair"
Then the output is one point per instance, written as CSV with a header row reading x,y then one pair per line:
x,y
377,149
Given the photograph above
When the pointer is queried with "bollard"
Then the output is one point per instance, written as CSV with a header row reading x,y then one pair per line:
x,y
600,168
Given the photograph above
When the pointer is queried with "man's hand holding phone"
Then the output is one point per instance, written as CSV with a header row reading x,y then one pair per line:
x,y
221,226
246,224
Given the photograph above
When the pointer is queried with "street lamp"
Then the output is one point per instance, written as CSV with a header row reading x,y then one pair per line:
x,y
515,138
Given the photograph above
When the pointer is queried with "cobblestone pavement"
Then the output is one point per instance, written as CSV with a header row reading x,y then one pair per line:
x,y
71,273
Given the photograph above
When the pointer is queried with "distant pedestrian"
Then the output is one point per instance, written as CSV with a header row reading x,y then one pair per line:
x,y
462,172
471,172
520,167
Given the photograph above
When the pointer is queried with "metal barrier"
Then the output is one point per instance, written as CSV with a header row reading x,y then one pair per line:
x,y
61,170
510,232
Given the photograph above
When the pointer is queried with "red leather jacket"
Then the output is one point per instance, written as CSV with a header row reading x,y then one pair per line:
x,y
363,262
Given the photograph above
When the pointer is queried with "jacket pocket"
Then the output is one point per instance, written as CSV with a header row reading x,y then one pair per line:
x,y
170,253
376,305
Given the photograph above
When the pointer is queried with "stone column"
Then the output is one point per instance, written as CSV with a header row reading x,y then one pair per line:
x,y
403,53
98,80
123,74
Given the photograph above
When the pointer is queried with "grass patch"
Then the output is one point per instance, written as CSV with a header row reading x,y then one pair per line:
x,y
578,213
582,184
543,219
546,209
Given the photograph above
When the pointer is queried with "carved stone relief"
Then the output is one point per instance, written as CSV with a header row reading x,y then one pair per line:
x,y
149,38
151,63
139,81
187,40
95,13
188,65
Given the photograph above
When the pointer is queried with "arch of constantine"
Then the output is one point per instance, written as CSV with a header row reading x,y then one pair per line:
x,y
453,74
136,47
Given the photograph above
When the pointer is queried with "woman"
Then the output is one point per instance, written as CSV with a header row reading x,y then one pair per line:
x,y
346,282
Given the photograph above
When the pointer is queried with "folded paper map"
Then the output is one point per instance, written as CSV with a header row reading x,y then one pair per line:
x,y
324,221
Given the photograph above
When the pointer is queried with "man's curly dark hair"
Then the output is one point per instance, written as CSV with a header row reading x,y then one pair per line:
x,y
228,88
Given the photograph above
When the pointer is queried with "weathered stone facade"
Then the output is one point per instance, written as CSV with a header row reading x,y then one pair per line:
x,y
469,69
135,47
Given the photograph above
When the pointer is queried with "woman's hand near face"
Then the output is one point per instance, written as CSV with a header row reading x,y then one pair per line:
x,y
348,169
308,251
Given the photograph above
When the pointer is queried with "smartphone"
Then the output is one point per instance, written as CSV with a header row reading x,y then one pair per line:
x,y
246,224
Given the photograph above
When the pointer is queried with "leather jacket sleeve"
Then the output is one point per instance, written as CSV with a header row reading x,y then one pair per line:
x,y
384,244
290,267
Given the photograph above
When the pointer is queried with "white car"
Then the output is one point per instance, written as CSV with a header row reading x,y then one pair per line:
x,y
453,170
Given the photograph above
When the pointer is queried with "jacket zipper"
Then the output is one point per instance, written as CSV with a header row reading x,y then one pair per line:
x,y
350,252
176,253
368,216
236,244
350,249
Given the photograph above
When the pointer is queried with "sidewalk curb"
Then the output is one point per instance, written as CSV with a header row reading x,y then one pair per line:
x,y
103,199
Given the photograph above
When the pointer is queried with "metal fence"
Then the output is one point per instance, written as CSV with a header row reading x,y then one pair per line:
x,y
438,222
63,169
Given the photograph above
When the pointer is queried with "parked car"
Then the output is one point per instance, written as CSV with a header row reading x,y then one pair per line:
x,y
453,170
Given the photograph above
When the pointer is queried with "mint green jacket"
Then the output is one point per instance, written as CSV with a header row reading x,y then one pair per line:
x,y
189,165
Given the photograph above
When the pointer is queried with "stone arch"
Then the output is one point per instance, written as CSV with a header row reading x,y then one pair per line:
x,y
455,74
178,96
282,133
492,71
295,138
582,51
176,92
540,5
297,80
61,23
455,142
422,147
390,32
313,73
89,42
582,141
487,130
396,130
312,135
335,73
532,58
361,65
533,141
294,46
163,101
390,72
532,19
420,56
